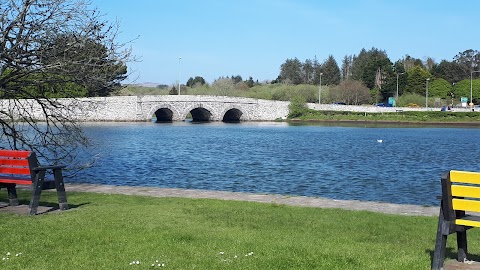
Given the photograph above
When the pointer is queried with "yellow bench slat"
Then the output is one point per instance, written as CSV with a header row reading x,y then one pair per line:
x,y
465,177
465,222
466,191
466,205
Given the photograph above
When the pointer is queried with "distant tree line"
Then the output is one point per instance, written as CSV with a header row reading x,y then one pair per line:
x,y
367,77
222,85
373,72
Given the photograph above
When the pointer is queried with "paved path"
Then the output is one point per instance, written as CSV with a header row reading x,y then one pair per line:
x,y
389,208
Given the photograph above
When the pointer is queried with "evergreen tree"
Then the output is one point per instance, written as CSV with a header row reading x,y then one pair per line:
x,y
317,69
291,71
450,71
198,80
410,62
173,91
347,67
250,83
399,71
359,62
417,79
237,79
308,72
367,66
190,82
331,72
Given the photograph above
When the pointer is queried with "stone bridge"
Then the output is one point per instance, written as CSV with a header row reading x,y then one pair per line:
x,y
180,107
167,108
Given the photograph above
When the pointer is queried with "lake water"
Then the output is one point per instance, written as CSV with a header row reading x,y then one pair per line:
x,y
390,164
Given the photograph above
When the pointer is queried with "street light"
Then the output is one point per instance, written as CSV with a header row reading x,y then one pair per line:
x,y
180,58
471,87
452,94
426,95
397,83
320,89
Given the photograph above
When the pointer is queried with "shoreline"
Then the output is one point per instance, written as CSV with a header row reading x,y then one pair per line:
x,y
301,201
386,122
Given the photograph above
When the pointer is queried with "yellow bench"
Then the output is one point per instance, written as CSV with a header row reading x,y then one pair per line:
x,y
459,211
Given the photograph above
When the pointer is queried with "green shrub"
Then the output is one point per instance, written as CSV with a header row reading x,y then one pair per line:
x,y
297,107
409,98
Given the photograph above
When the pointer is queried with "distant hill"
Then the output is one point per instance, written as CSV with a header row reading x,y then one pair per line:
x,y
145,84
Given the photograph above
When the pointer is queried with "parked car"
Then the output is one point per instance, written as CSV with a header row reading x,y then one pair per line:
x,y
383,105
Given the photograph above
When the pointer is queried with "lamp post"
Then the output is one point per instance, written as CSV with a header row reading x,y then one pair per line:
x,y
426,95
396,97
452,94
180,58
471,87
320,89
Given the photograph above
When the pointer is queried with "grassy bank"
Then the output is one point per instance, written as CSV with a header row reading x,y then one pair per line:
x,y
112,231
472,118
282,92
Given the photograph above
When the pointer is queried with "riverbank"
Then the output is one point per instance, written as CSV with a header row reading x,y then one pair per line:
x,y
317,202
301,201
341,122
437,118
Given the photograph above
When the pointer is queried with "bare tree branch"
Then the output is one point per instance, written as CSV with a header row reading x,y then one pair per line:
x,y
51,49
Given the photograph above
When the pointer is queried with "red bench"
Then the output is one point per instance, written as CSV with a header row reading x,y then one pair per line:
x,y
18,167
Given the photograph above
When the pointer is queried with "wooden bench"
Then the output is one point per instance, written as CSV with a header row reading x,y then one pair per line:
x,y
19,167
459,211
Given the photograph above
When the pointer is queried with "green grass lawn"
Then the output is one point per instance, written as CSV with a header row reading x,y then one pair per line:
x,y
406,116
112,231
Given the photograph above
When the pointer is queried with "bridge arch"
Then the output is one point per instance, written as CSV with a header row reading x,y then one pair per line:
x,y
164,113
200,113
232,114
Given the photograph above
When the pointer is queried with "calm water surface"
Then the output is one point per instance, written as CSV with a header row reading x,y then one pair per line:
x,y
325,161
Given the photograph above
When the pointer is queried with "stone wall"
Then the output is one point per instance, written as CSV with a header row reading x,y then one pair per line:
x,y
371,109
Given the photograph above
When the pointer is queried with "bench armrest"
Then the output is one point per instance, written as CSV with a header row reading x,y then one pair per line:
x,y
48,167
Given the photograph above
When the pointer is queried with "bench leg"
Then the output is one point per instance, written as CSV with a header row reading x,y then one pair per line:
x,y
12,194
37,187
462,246
440,244
62,196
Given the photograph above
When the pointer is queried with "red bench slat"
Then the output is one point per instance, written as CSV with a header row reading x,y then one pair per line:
x,y
16,181
15,153
13,162
15,170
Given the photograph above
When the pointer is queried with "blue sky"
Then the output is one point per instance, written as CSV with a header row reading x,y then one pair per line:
x,y
253,38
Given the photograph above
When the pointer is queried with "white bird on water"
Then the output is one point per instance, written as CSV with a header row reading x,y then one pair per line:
x,y
379,141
